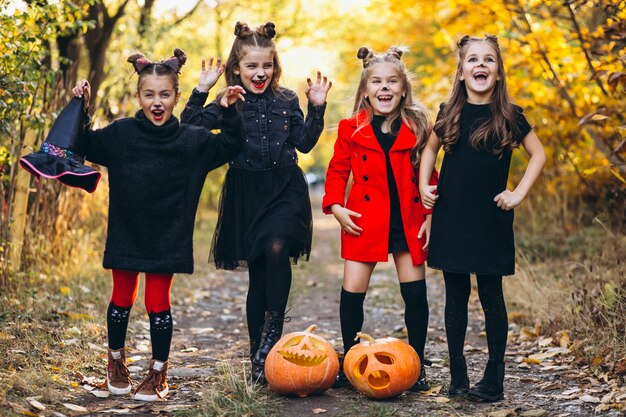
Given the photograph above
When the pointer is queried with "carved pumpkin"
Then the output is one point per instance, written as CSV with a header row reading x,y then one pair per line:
x,y
301,364
381,368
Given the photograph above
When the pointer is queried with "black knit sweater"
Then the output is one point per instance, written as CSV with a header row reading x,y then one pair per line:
x,y
156,174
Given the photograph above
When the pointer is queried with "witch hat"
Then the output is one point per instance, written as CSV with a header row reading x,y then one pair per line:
x,y
61,155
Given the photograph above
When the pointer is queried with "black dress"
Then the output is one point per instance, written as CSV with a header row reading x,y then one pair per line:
x,y
470,233
397,239
265,194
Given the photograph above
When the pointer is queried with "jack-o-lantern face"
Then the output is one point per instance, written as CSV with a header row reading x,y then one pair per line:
x,y
304,350
301,364
381,368
374,368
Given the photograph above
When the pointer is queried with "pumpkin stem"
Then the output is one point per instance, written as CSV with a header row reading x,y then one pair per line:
x,y
365,336
312,328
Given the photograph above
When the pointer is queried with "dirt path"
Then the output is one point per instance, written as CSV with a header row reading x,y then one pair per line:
x,y
210,329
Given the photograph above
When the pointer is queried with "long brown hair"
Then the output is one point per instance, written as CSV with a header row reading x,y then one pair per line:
x,y
261,37
502,125
170,66
412,113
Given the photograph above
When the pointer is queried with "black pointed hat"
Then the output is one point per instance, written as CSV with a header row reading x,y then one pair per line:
x,y
61,155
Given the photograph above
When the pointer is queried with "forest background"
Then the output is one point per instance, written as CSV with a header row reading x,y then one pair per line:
x,y
565,63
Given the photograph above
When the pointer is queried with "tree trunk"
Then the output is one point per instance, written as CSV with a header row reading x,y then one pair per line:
x,y
20,207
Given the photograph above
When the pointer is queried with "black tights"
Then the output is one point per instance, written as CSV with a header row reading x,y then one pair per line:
x,y
268,289
458,289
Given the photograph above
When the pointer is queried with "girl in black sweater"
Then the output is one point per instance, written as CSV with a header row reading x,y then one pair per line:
x,y
157,168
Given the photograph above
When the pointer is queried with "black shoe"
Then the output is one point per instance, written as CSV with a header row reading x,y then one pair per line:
x,y
459,381
272,330
491,387
422,384
341,380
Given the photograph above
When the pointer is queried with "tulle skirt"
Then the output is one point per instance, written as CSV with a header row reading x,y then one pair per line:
x,y
257,207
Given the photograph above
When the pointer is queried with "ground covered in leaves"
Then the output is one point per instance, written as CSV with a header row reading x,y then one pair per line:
x,y
209,365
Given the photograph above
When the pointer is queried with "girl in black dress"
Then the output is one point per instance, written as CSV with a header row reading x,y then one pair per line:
x,y
472,226
265,220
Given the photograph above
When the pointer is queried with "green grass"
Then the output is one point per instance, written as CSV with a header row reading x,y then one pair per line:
x,y
230,393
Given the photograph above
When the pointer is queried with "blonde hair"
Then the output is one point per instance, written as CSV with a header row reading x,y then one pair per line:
x,y
411,112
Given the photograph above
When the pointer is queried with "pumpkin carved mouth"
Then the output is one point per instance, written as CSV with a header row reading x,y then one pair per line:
x,y
379,379
302,360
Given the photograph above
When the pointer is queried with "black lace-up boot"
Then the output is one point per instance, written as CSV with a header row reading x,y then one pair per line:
x,y
272,330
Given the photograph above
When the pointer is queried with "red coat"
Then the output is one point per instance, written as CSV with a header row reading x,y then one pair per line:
x,y
359,152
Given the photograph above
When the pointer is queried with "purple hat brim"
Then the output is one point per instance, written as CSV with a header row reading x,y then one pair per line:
x,y
73,174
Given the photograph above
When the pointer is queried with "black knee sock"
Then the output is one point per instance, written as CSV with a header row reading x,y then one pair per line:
x,y
496,320
161,329
458,289
117,324
255,304
415,314
278,273
351,316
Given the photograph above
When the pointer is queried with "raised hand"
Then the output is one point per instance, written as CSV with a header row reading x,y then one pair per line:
x,y
83,88
344,217
232,94
209,75
316,93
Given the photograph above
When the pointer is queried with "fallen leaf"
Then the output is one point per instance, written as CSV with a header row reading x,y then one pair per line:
x,y
590,399
36,404
433,391
544,341
442,399
189,349
75,407
564,339
318,410
502,413
534,413
6,336
550,386
21,410
116,411
100,393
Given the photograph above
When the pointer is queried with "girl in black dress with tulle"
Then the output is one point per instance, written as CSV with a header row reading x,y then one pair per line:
x,y
265,220
472,225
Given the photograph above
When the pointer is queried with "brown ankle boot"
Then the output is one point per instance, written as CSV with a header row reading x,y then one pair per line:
x,y
118,376
154,387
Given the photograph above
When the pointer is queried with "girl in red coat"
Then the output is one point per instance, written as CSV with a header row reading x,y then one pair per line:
x,y
383,213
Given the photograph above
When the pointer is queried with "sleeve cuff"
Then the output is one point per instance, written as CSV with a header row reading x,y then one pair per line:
x,y
228,112
316,111
198,97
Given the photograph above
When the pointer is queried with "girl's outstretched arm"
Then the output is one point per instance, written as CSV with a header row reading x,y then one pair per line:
x,y
194,112
427,164
508,200
304,133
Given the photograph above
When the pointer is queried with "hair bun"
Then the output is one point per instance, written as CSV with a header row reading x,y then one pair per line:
x,y
134,57
365,54
181,56
268,30
465,39
242,30
396,51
